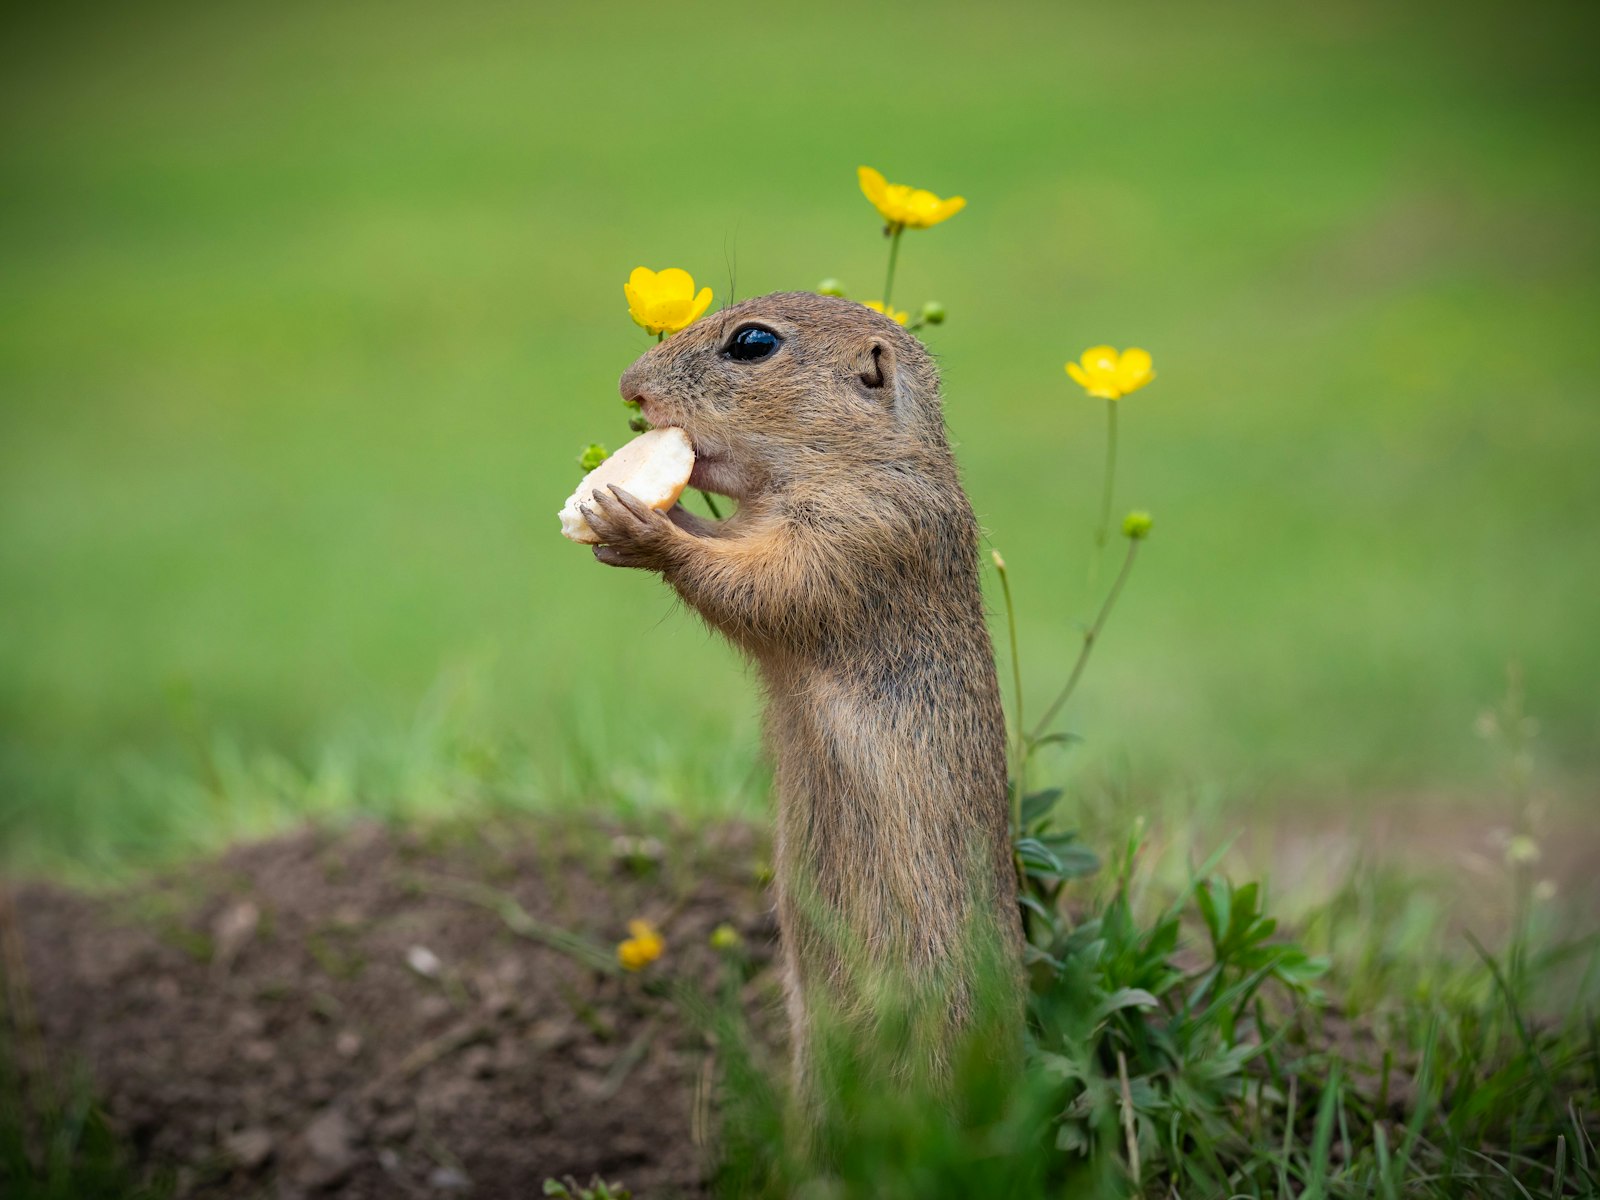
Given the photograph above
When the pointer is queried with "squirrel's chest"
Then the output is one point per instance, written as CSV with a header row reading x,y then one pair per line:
x,y
879,730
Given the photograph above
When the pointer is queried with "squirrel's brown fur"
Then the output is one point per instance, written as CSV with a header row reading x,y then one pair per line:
x,y
849,575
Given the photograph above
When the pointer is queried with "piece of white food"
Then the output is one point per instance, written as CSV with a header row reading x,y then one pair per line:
x,y
654,467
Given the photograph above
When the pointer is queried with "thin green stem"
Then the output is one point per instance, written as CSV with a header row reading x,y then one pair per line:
x,y
661,337
894,253
1103,533
1089,639
1019,750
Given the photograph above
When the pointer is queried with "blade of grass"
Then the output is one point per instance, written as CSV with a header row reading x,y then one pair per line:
x,y
1594,1050
1580,1138
1426,1081
1288,1140
1128,1126
1505,1171
1347,1156
1322,1138
1197,876
1380,1145
1515,1011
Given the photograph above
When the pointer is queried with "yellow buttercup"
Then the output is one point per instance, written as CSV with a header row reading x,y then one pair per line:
x,y
664,301
894,314
906,206
1109,375
643,948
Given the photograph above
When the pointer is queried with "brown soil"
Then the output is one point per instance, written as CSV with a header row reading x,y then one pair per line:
x,y
347,1014
371,1013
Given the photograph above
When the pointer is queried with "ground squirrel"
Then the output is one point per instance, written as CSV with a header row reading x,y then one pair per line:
x,y
849,574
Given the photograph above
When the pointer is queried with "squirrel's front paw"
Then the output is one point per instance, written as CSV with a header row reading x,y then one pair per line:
x,y
631,534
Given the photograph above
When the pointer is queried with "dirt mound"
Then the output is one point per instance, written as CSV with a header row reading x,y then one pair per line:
x,y
381,1014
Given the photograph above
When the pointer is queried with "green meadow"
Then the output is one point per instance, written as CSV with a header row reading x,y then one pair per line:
x,y
308,309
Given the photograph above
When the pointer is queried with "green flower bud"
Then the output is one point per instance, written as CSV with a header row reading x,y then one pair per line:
x,y
933,313
1136,525
1522,850
593,455
830,287
725,938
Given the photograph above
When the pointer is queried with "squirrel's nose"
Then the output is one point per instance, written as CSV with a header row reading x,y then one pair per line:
x,y
632,384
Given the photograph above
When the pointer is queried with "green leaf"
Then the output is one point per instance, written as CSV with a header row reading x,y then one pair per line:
x,y
1241,913
1145,1095
1033,905
1039,804
1059,1065
1217,1066
1040,861
1163,938
1207,904
1128,997
1071,1139
1060,739
1077,860
1298,969
1032,954
1035,854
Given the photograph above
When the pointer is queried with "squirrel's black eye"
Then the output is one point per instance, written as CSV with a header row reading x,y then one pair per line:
x,y
752,344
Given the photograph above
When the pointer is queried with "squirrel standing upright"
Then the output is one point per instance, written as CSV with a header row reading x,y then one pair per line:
x,y
849,574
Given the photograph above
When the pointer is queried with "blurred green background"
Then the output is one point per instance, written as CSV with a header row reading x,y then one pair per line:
x,y
308,309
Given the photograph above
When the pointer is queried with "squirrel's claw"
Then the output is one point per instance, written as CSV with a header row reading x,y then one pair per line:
x,y
634,505
614,556
631,534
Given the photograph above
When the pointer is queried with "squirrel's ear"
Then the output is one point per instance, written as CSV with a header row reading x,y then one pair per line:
x,y
876,370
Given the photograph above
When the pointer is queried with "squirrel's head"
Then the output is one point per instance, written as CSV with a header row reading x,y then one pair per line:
x,y
789,387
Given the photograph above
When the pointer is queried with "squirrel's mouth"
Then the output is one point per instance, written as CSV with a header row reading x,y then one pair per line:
x,y
713,471
713,474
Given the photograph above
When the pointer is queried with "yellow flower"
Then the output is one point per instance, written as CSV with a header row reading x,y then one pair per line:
x,y
900,204
642,948
894,314
1111,376
665,301
1136,525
